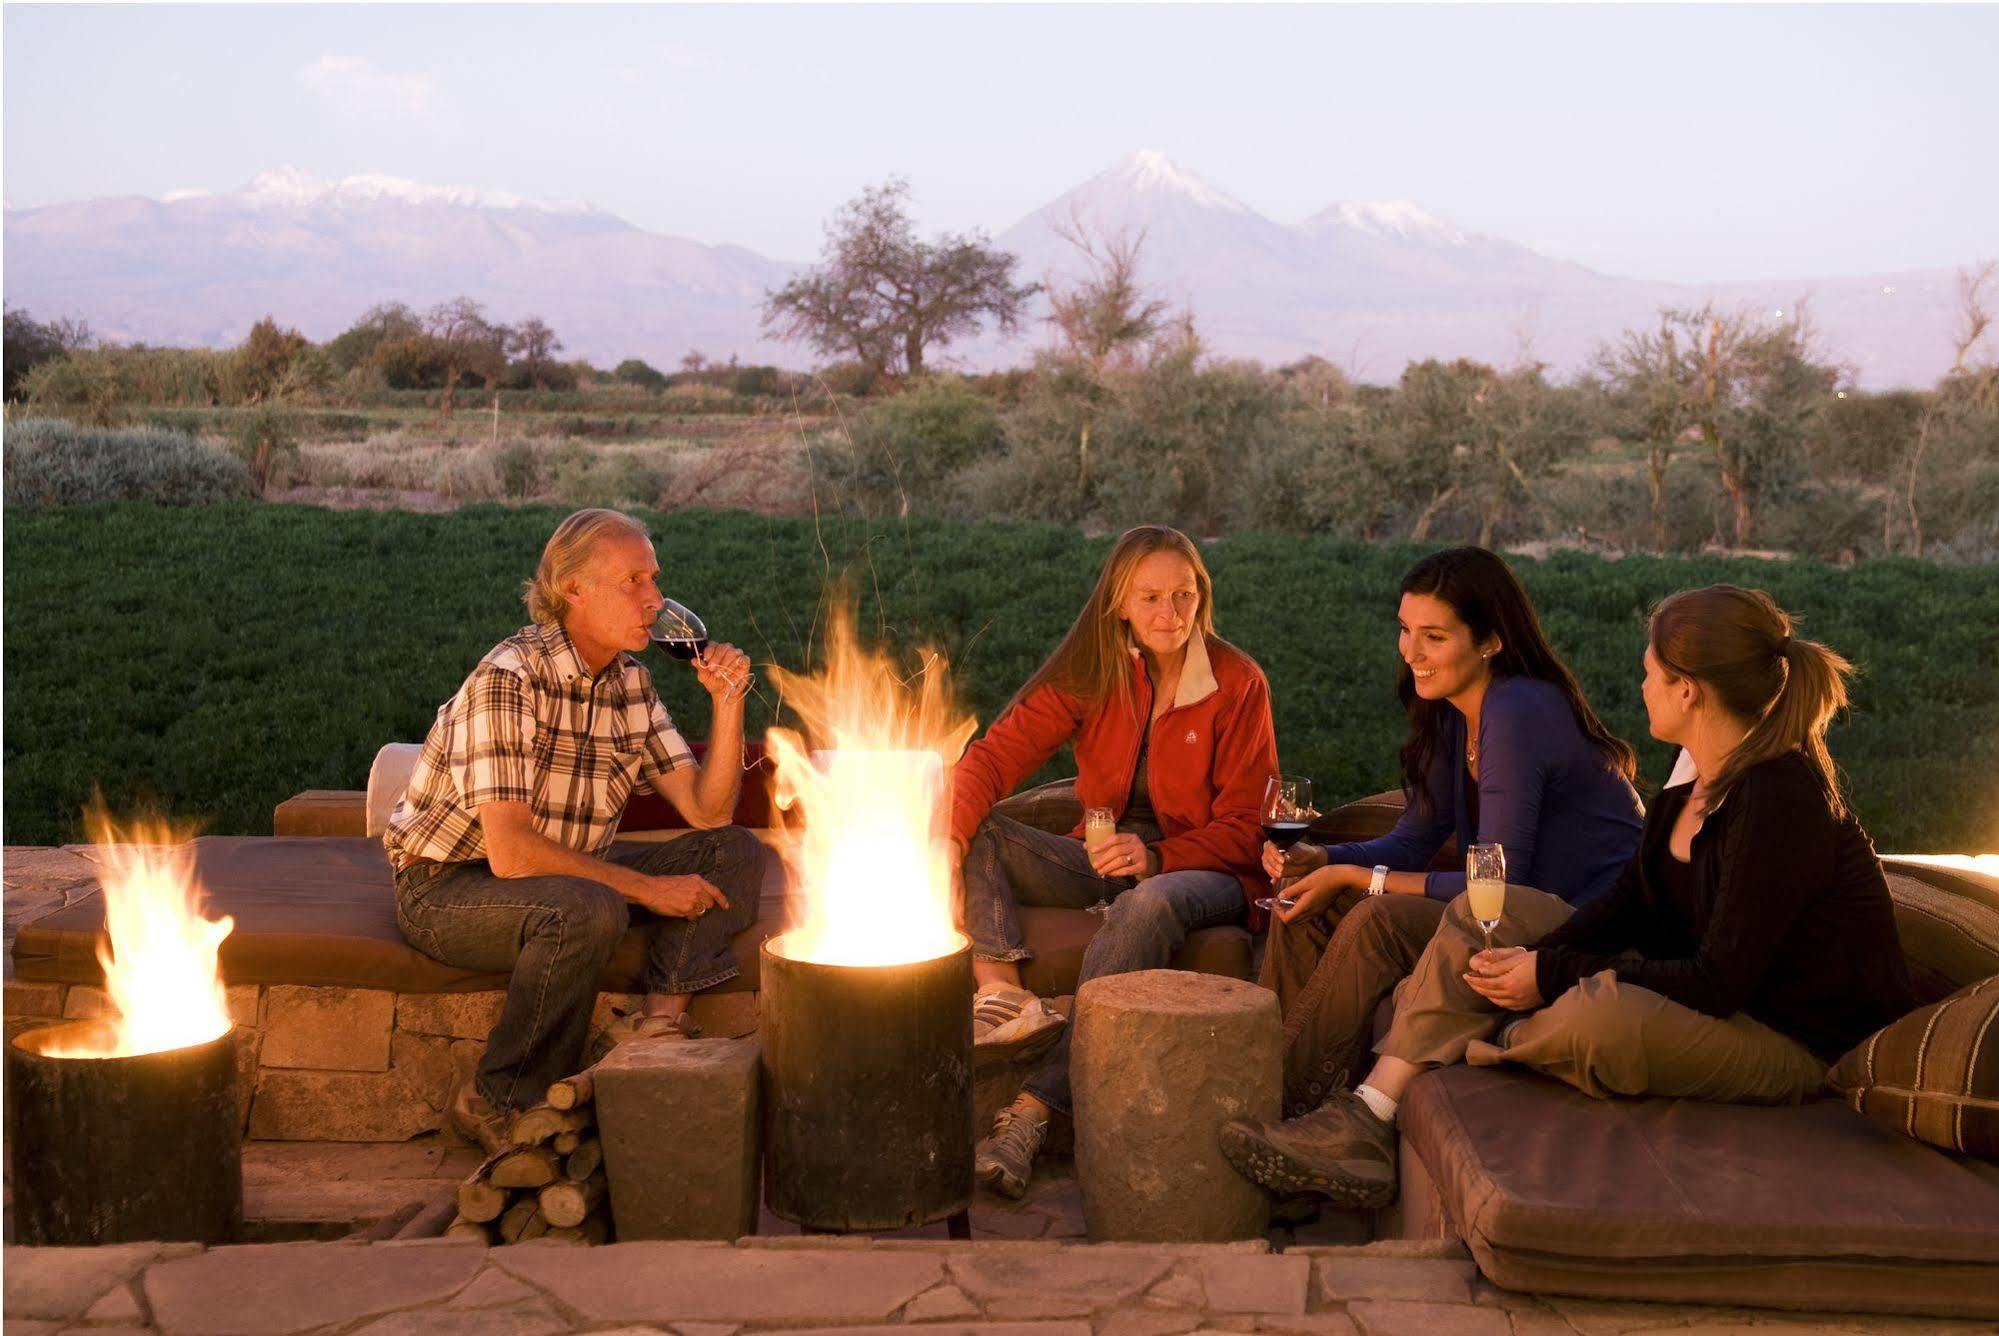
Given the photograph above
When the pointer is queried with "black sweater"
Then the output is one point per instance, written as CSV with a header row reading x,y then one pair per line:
x,y
1784,914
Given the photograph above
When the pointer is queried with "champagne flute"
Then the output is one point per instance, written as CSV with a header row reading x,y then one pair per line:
x,y
1099,824
1485,886
1287,814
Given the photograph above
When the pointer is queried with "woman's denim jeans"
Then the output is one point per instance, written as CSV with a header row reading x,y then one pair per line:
x,y
1010,864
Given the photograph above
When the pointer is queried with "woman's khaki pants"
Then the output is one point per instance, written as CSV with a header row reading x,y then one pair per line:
x,y
1601,1036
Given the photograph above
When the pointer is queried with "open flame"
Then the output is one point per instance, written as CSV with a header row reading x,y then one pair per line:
x,y
159,961
868,845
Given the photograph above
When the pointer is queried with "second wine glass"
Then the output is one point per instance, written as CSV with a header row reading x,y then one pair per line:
x,y
1286,814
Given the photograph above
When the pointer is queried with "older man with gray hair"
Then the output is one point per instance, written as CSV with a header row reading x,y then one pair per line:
x,y
502,843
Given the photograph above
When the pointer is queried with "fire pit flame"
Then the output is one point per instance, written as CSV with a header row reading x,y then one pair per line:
x,y
867,775
159,961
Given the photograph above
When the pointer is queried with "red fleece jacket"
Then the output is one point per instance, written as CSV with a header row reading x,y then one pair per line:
x,y
1211,752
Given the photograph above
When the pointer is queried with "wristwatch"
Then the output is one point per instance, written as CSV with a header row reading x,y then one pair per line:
x,y
1379,881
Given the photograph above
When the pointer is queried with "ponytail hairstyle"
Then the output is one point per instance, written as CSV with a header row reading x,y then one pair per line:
x,y
1489,599
1738,644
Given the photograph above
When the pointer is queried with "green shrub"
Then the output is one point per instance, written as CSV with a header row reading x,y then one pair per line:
x,y
50,463
632,371
905,451
518,467
579,477
753,380
852,379
261,438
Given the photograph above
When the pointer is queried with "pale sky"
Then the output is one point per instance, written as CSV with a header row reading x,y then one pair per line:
x,y
1672,142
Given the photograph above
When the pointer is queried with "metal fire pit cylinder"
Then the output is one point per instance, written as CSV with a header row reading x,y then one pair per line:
x,y
867,1090
119,1150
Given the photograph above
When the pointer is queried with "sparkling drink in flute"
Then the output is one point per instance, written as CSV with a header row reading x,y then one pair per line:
x,y
1099,824
1485,886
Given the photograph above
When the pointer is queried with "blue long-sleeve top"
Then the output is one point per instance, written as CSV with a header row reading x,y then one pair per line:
x,y
1568,821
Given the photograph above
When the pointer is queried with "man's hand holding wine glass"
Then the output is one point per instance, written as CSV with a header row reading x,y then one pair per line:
x,y
724,672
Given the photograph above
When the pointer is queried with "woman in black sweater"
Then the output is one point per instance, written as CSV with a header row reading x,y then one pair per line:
x,y
1750,942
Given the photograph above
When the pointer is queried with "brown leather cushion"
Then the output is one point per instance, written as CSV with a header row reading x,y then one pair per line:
x,y
1811,1206
1050,807
1372,817
1053,807
1934,1074
321,910
1948,923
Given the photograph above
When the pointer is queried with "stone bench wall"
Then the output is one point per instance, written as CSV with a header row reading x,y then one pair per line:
x,y
353,1064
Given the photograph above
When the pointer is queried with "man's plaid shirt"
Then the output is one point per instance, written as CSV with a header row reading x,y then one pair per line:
x,y
530,725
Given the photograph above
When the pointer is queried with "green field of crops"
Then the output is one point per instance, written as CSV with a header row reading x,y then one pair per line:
x,y
214,661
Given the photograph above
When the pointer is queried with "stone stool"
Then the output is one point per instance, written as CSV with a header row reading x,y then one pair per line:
x,y
1160,1060
679,1119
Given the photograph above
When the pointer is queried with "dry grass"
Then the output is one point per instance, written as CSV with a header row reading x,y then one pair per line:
x,y
753,464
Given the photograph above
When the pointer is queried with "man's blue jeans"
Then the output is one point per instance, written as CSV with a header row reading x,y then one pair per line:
x,y
1010,863
555,935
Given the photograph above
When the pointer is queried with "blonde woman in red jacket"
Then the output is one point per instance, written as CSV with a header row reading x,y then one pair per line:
x,y
1172,732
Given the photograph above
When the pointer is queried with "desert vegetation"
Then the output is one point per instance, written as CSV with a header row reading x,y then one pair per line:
x,y
1708,430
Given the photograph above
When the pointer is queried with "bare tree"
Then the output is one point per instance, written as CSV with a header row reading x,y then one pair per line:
x,y
1105,315
1959,390
1651,376
536,345
464,340
1749,389
885,298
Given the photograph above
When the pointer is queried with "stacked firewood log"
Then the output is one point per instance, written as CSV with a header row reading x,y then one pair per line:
x,y
549,1183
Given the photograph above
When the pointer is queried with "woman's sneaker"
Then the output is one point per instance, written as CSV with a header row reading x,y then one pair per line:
x,y
1004,1161
1003,1015
1339,1150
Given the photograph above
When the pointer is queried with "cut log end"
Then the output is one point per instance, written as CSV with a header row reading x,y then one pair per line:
x,y
568,1204
584,1161
528,1167
542,1123
571,1092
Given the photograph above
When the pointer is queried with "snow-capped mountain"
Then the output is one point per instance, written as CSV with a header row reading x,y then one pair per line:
x,y
290,188
1368,285
197,268
1373,286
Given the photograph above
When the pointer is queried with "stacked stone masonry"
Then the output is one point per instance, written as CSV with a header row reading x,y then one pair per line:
x,y
353,1064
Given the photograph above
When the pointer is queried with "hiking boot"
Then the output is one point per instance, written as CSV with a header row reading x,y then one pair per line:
x,y
1004,1161
1338,1150
474,1118
1003,1016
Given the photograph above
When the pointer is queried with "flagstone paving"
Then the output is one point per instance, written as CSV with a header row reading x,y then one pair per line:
x,y
812,1286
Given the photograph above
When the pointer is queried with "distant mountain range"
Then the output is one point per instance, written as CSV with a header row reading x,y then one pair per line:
x,y
1369,286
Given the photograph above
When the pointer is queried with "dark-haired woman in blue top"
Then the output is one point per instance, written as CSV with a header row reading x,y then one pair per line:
x,y
1502,749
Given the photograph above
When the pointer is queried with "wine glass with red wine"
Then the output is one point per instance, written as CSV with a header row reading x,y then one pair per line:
x,y
1287,814
679,632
